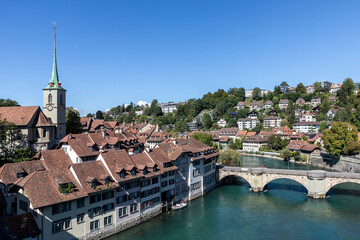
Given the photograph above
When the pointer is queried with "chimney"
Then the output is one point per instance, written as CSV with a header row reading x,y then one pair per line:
x,y
103,132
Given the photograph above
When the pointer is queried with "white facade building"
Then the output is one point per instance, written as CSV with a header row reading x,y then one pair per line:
x,y
247,123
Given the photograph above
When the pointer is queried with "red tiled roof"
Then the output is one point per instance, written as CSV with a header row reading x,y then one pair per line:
x,y
20,116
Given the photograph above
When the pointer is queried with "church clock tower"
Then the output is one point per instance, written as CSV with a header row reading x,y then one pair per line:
x,y
55,99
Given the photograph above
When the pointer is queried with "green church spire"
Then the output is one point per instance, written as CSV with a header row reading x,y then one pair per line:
x,y
54,80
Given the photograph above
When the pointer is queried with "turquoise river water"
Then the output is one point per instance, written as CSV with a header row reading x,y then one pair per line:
x,y
283,211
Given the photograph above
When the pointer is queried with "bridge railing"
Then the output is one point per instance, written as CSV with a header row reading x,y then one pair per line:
x,y
311,173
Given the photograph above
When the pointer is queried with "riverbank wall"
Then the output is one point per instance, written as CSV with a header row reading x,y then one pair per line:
x,y
341,164
144,216
327,161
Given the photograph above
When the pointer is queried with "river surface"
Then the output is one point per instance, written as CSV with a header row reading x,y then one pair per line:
x,y
283,211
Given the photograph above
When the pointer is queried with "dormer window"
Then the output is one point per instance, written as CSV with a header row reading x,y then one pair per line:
x,y
107,180
133,172
145,171
20,175
94,184
122,174
154,169
66,188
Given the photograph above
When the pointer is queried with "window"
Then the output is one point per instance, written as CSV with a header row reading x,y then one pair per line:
x,y
44,133
107,195
49,98
122,174
196,163
133,208
61,99
107,220
94,183
61,225
207,168
80,202
133,195
145,193
122,212
155,190
20,175
107,180
164,175
155,200
171,173
171,181
94,225
196,172
164,184
94,211
145,204
132,185
23,205
133,172
95,198
80,218
108,207
155,180
122,199
61,207
145,183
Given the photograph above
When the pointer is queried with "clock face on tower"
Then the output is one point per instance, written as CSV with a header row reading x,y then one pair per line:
x,y
49,107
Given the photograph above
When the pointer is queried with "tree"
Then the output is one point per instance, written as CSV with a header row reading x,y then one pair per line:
x,y
89,115
277,90
286,154
11,138
142,118
240,94
352,148
300,88
204,138
317,87
23,154
238,144
284,87
231,144
338,136
207,121
73,124
155,110
220,109
99,115
325,106
323,126
8,103
346,92
276,143
230,157
256,94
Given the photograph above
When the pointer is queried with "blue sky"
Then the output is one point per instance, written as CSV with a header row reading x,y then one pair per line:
x,y
114,52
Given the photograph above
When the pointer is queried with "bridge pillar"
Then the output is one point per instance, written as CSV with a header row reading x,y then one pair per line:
x,y
257,182
317,182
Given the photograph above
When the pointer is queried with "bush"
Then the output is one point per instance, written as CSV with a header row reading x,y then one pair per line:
x,y
230,157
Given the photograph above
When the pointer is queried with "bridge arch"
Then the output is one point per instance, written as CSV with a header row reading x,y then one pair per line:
x,y
334,182
302,180
245,176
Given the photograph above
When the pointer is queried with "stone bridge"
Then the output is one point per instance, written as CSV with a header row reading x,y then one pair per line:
x,y
316,182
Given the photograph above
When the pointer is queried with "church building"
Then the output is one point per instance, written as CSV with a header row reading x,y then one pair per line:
x,y
41,129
